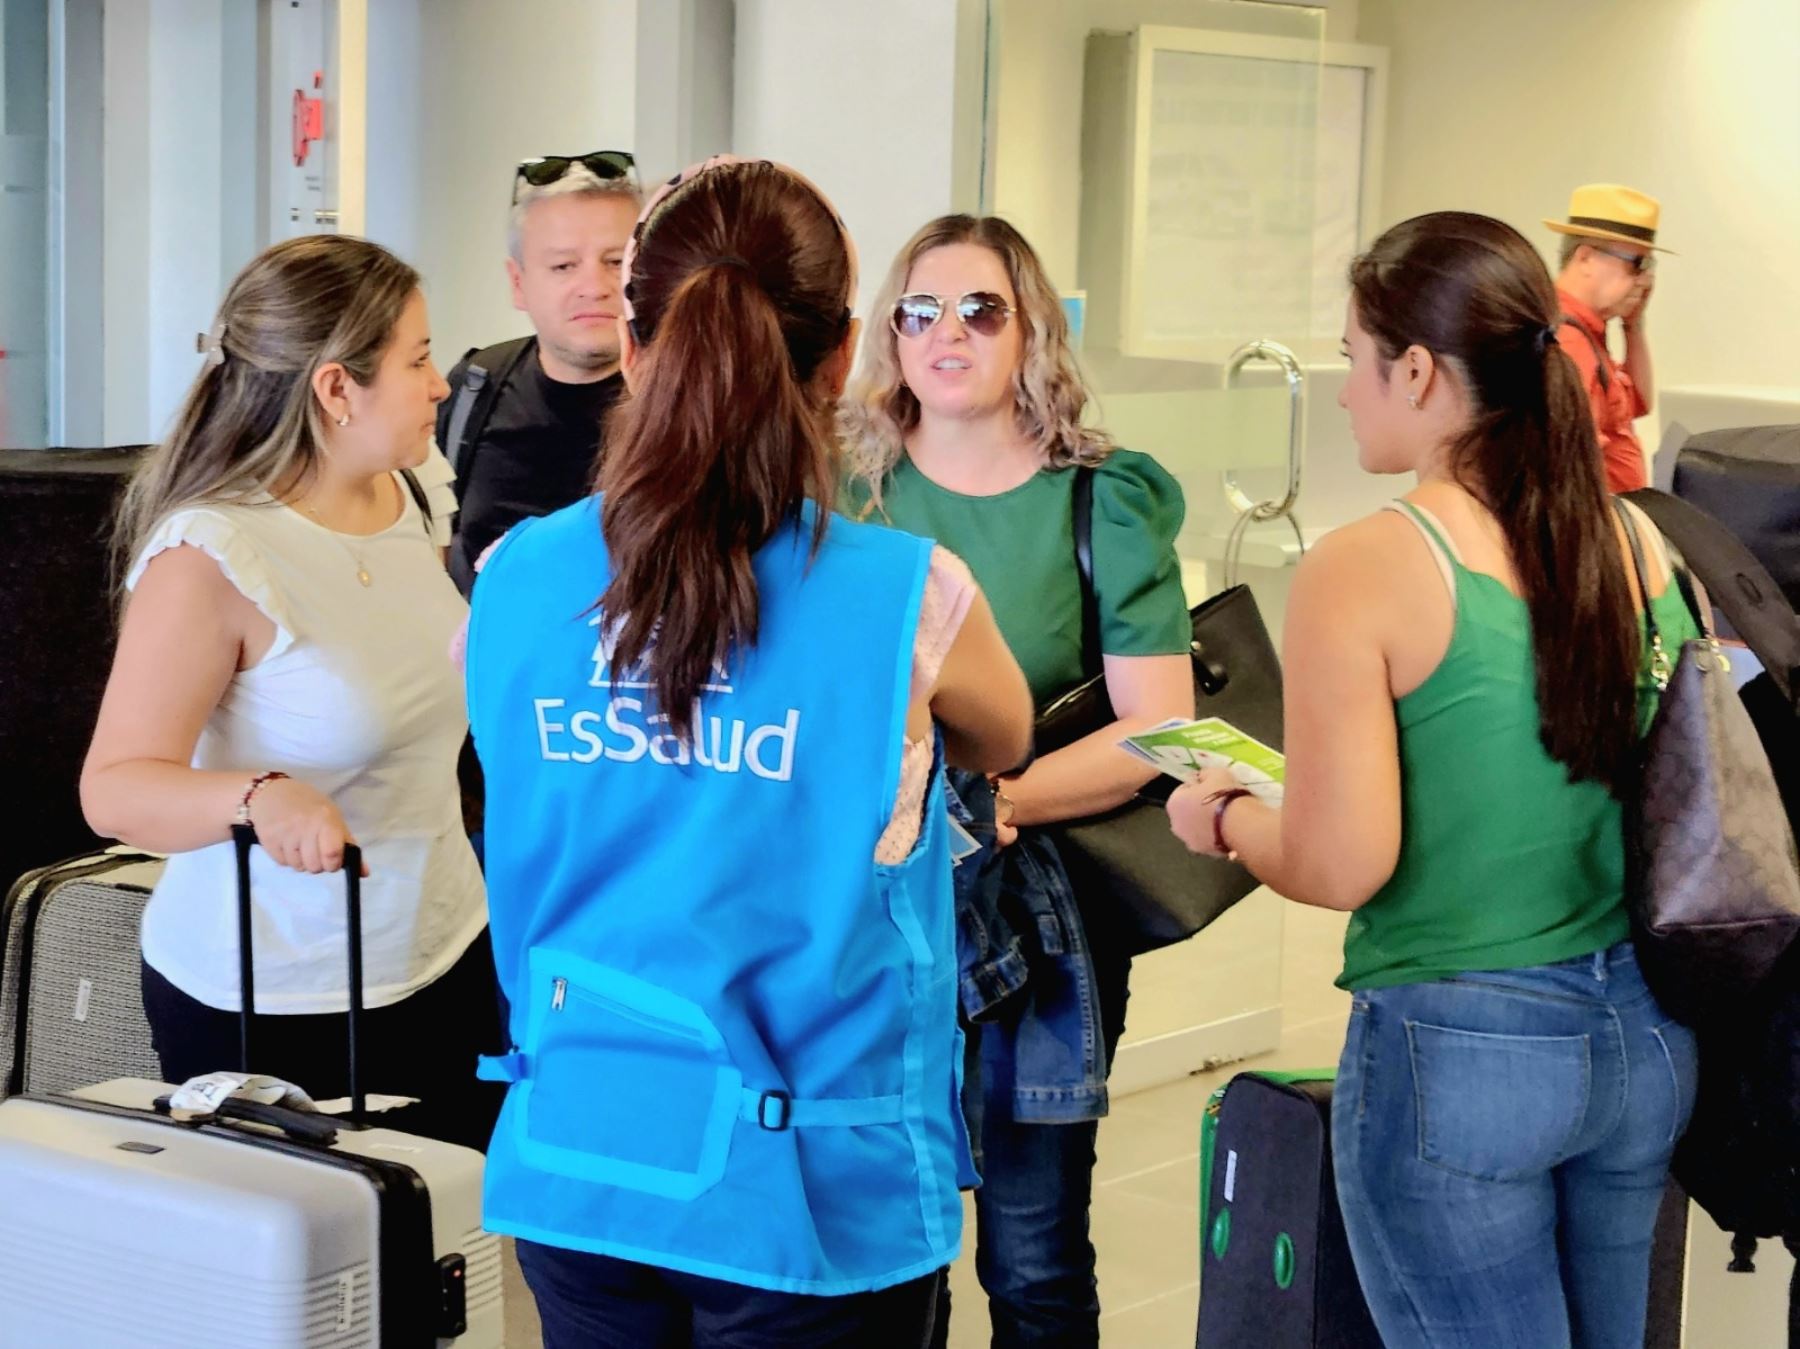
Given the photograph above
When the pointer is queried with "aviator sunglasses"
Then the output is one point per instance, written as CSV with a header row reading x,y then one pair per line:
x,y
606,165
981,311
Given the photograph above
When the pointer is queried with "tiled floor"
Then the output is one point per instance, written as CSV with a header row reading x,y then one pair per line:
x,y
1146,1201
1146,1214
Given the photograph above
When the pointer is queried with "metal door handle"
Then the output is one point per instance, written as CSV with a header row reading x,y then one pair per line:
x,y
1266,350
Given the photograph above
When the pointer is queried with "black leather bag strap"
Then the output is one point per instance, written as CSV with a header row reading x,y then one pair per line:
x,y
1736,581
1083,513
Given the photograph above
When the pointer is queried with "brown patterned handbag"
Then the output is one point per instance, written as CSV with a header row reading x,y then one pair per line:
x,y
1712,875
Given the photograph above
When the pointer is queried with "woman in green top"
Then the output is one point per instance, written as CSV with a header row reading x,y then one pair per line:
x,y
1466,692
964,425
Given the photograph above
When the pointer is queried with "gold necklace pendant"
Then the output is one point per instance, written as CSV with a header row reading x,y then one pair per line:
x,y
362,568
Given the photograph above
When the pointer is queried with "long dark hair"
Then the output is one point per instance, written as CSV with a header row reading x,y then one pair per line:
x,y
250,423
1475,294
740,286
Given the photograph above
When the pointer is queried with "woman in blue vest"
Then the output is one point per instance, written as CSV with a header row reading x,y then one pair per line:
x,y
705,711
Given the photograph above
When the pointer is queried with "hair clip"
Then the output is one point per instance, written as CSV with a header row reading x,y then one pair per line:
x,y
211,343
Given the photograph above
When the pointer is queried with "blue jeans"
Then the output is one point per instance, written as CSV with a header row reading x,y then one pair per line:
x,y
1033,1254
1502,1141
597,1302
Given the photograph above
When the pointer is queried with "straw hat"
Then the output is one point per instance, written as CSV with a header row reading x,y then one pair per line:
x,y
1609,211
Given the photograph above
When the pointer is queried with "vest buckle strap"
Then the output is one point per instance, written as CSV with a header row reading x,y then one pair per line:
x,y
501,1067
774,1110
777,1111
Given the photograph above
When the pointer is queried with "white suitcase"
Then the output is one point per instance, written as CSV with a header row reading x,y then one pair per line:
x,y
121,1228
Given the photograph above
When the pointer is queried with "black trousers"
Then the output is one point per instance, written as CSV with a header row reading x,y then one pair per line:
x,y
424,1046
597,1302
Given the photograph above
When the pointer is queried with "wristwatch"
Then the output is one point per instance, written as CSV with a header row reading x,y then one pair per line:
x,y
1004,806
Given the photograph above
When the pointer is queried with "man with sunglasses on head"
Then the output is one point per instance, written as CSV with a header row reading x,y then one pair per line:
x,y
522,424
1608,272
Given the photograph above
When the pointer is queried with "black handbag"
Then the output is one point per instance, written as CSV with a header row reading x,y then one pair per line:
x,y
1137,885
1713,879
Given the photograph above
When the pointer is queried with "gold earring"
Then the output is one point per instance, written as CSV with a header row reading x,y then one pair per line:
x,y
344,420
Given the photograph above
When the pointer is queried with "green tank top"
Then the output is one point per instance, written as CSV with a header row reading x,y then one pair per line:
x,y
1504,863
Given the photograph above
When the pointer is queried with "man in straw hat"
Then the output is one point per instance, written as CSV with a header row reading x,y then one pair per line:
x,y
1607,262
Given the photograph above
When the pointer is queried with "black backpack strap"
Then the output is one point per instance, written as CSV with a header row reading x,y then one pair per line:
x,y
1736,582
484,374
1602,357
1082,511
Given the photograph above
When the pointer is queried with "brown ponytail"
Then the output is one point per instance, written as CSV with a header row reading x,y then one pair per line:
x,y
739,287
1475,293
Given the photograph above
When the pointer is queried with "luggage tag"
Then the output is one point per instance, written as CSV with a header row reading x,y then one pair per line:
x,y
962,843
201,1097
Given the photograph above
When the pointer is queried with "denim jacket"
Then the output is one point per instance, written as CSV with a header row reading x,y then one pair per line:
x,y
1025,975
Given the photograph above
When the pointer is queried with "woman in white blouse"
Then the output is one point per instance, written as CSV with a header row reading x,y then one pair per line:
x,y
281,662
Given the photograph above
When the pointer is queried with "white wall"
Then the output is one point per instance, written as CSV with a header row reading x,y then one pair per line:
x,y
879,103
394,123
186,207
126,251
685,53
1504,108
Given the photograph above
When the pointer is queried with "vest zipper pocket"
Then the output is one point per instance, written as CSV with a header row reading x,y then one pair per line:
x,y
631,1085
559,997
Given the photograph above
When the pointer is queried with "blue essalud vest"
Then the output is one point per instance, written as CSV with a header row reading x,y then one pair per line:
x,y
735,1049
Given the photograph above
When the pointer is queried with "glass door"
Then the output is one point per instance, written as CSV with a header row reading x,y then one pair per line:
x,y
24,217
1166,159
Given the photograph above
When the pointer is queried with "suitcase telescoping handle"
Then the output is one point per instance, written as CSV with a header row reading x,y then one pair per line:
x,y
244,837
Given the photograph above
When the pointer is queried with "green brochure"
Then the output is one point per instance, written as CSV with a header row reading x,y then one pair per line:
x,y
1185,749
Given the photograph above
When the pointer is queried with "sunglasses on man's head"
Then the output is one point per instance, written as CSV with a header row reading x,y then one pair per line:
x,y
606,165
981,311
1638,262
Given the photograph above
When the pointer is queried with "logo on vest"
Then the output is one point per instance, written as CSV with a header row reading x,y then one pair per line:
x,y
623,733
606,642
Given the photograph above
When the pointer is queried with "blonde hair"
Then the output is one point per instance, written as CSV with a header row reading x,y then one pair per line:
x,y
250,423
878,409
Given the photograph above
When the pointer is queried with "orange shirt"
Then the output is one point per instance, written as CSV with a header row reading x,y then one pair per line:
x,y
1616,401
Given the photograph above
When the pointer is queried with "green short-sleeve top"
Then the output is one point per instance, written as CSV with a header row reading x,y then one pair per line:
x,y
1020,544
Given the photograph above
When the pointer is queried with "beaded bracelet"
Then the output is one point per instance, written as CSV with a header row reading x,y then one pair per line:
x,y
257,783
